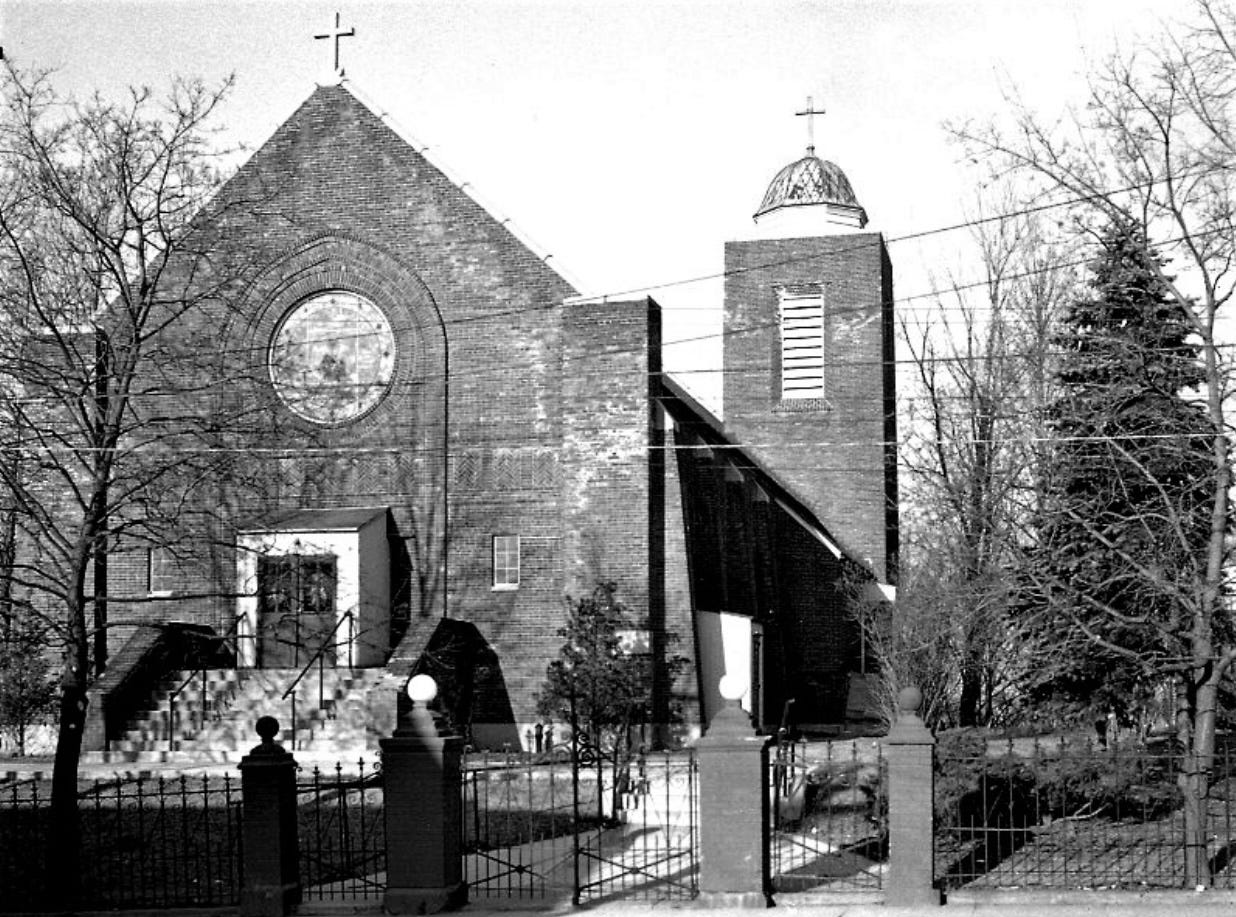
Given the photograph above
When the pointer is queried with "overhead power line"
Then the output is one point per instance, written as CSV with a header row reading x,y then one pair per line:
x,y
838,311
309,452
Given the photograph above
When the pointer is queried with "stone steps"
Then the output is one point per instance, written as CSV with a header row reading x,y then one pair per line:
x,y
343,718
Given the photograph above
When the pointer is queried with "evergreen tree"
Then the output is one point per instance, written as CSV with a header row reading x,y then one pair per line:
x,y
596,682
602,686
1131,156
1122,534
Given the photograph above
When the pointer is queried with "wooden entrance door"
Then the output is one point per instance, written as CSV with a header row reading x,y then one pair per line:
x,y
296,610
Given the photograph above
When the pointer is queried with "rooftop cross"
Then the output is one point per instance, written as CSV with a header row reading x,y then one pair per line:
x,y
810,112
337,33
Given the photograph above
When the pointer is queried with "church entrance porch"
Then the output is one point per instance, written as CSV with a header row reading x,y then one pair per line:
x,y
314,585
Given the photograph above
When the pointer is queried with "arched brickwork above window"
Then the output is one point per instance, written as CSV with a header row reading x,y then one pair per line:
x,y
338,263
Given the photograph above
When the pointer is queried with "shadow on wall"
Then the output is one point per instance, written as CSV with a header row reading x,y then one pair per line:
x,y
401,583
472,692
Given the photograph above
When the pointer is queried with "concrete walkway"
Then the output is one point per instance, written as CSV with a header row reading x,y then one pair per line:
x,y
1167,904
1213,903
1013,904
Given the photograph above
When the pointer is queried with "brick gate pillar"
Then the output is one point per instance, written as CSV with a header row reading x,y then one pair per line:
x,y
733,808
424,830
910,751
271,883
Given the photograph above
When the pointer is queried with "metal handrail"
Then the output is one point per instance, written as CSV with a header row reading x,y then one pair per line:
x,y
200,670
319,657
242,618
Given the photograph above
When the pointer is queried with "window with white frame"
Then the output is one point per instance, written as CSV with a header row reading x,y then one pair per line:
x,y
802,341
506,562
160,571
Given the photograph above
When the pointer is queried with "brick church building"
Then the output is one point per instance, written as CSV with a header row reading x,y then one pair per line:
x,y
446,441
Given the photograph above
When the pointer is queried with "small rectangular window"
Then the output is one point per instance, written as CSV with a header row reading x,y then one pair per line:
x,y
802,342
506,562
160,571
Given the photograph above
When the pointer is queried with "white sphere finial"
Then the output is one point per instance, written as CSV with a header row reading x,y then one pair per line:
x,y
422,688
732,687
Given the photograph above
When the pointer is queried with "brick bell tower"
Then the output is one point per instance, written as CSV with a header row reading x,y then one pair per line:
x,y
808,359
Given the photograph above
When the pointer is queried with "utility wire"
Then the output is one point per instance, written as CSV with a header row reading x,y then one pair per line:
x,y
843,248
612,451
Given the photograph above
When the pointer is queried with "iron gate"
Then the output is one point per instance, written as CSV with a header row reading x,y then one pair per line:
x,y
342,833
577,825
828,816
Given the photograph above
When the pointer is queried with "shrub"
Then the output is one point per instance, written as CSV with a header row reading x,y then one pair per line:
x,y
978,787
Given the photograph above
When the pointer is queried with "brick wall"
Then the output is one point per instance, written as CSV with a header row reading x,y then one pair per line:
x,y
509,413
607,430
829,453
621,503
752,552
336,200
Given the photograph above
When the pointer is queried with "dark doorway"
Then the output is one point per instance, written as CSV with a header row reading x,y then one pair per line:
x,y
296,610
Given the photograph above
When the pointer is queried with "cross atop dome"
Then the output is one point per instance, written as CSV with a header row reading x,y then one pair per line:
x,y
810,113
812,193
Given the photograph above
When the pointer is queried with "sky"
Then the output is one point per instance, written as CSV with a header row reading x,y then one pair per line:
x,y
631,139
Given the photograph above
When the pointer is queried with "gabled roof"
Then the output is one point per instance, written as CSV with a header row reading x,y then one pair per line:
x,y
430,155
345,97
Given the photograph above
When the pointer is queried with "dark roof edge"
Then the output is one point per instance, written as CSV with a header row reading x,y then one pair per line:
x,y
333,519
678,391
685,408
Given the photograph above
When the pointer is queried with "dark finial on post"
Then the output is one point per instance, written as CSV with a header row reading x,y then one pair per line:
x,y
271,880
267,728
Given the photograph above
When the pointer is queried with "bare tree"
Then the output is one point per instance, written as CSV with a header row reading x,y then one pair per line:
x,y
1154,149
976,404
106,251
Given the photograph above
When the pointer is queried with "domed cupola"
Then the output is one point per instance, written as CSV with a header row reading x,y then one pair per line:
x,y
810,182
810,196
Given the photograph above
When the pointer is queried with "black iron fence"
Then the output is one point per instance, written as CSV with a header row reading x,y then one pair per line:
x,y
341,830
576,825
828,813
1074,814
567,826
153,843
